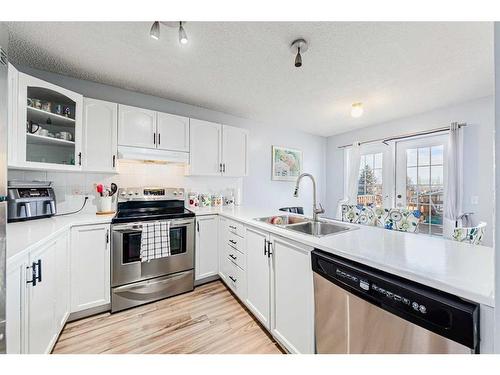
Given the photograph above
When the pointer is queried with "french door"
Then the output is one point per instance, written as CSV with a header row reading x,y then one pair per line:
x,y
420,179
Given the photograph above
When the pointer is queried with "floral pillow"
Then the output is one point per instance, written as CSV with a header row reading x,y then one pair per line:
x,y
404,220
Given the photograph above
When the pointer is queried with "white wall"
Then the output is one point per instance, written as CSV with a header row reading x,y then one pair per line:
x,y
257,188
478,153
497,182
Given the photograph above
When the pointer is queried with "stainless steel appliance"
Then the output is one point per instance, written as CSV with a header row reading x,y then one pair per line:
x,y
3,183
359,309
29,200
134,282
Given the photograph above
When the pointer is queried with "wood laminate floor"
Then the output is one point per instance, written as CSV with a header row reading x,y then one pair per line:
x,y
208,320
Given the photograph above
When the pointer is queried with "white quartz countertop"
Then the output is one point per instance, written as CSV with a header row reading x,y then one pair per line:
x,y
458,268
23,236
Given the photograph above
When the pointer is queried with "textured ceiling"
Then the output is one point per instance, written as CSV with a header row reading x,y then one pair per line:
x,y
246,68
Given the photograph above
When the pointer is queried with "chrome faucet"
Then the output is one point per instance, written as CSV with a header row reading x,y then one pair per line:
x,y
316,210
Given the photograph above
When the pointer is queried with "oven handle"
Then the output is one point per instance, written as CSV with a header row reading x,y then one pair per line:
x,y
138,225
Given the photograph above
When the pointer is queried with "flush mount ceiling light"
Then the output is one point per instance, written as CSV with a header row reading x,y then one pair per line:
x,y
155,30
298,46
357,109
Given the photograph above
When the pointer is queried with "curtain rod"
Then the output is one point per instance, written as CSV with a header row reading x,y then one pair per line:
x,y
403,136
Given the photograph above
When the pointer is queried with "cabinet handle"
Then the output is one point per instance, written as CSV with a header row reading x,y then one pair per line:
x,y
107,238
232,227
233,242
33,274
39,267
220,167
232,257
198,226
224,168
265,247
269,252
159,139
232,278
154,138
114,161
79,158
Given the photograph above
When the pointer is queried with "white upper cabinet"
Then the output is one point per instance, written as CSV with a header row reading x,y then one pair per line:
x,y
258,275
217,150
100,126
234,151
205,148
49,126
173,132
136,127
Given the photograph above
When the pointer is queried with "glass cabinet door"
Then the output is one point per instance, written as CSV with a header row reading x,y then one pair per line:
x,y
52,123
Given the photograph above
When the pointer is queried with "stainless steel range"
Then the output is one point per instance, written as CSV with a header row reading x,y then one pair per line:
x,y
134,282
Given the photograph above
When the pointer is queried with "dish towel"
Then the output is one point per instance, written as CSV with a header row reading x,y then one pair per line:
x,y
155,240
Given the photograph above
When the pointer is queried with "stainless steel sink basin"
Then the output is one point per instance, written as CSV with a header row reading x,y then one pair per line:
x,y
318,228
285,220
304,225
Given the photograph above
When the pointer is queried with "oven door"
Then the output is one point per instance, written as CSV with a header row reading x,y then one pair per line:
x,y
126,265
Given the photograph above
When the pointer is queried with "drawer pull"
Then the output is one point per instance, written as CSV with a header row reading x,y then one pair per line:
x,y
232,256
233,242
232,227
232,278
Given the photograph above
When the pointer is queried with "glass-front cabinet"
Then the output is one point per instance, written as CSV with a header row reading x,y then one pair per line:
x,y
49,126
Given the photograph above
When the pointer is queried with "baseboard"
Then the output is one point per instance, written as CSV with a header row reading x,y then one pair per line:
x,y
205,280
88,312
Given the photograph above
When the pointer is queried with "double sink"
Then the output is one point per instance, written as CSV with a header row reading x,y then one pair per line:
x,y
304,225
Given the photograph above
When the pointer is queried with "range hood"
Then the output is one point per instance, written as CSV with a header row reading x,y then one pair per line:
x,y
147,154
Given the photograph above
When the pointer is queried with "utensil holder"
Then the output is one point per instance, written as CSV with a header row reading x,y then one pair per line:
x,y
104,204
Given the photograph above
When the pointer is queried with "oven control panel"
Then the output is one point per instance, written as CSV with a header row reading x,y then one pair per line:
x,y
150,193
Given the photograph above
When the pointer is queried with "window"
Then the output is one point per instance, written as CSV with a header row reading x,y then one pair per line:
x,y
370,180
420,180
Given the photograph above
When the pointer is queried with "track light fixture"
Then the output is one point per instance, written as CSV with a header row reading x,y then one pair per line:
x,y
183,39
155,30
298,46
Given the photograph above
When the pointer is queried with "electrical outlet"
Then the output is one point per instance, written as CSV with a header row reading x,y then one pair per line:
x,y
474,199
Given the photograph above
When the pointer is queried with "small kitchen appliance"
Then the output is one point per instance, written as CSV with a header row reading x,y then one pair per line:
x,y
134,282
28,200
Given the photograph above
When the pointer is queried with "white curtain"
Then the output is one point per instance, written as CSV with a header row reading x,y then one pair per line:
x,y
454,184
351,188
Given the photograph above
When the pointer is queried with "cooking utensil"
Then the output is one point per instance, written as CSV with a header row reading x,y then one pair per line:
x,y
114,189
100,189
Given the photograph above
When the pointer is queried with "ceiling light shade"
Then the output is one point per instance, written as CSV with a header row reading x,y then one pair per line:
x,y
357,110
298,46
155,30
298,59
183,39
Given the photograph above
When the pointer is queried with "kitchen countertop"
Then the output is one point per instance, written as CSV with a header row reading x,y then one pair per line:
x,y
23,236
458,268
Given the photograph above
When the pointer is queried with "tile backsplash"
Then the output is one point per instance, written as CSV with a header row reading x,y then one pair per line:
x,y
71,187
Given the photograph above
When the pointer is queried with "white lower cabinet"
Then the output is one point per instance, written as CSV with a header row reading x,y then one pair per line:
x,y
37,297
292,291
90,267
272,276
206,251
258,275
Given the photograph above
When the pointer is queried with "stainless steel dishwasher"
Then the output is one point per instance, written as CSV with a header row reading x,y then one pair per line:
x,y
359,309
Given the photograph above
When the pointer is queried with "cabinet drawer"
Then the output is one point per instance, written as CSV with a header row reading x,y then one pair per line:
x,y
237,242
235,256
236,279
236,228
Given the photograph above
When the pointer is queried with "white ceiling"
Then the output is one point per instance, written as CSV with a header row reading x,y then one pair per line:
x,y
246,68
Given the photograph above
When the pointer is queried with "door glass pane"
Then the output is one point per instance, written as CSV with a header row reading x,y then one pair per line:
x,y
437,155
378,160
425,186
370,180
424,156
424,175
50,127
411,157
